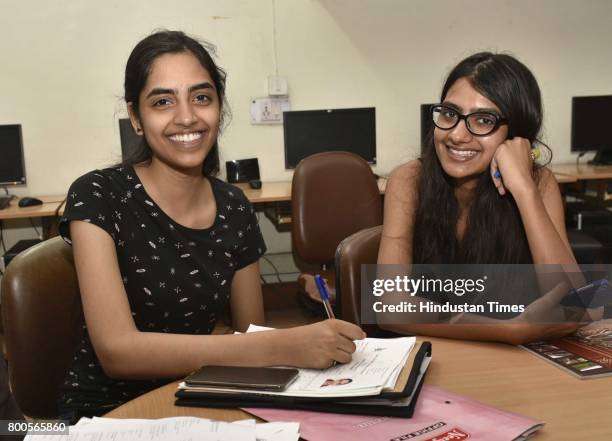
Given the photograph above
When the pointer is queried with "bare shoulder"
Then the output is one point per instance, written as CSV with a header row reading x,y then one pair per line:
x,y
404,179
401,199
409,171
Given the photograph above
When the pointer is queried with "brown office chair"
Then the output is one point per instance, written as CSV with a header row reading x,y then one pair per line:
x,y
357,249
333,195
42,315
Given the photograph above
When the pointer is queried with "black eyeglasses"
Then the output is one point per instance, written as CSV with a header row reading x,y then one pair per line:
x,y
477,123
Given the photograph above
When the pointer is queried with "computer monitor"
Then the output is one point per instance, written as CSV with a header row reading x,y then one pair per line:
x,y
12,165
315,131
591,116
129,138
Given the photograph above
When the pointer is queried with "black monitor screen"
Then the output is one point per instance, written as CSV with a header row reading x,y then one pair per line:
x,y
591,116
12,170
315,131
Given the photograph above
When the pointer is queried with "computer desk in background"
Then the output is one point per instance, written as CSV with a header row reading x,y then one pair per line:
x,y
47,212
497,374
275,197
581,173
281,191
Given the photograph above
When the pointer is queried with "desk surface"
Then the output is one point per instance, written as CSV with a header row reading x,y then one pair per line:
x,y
269,192
281,191
50,207
583,171
500,375
564,179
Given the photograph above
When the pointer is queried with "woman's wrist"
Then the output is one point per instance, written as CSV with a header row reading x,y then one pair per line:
x,y
280,347
528,192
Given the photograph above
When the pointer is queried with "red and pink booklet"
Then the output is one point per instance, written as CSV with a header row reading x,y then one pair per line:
x,y
439,416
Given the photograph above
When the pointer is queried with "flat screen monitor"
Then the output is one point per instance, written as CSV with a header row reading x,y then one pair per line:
x,y
12,166
591,116
315,131
129,138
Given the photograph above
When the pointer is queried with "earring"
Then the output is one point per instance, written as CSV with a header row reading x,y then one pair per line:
x,y
139,131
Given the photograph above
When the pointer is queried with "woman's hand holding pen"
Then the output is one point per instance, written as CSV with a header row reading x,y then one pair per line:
x,y
511,167
320,344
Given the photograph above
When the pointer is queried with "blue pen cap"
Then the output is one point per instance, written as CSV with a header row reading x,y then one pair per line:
x,y
321,287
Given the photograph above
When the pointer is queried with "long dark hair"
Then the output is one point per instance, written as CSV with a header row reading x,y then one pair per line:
x,y
494,232
137,71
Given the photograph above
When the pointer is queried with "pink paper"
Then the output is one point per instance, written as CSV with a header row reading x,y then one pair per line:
x,y
439,416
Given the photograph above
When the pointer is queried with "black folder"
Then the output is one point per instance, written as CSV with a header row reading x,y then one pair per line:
x,y
349,405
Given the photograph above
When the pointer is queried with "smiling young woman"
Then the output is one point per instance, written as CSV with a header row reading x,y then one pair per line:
x,y
162,247
476,196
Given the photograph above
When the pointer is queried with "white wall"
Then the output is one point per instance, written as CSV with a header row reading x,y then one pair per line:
x,y
62,68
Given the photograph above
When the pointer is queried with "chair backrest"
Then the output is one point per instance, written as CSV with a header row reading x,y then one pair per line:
x,y
357,249
42,315
333,195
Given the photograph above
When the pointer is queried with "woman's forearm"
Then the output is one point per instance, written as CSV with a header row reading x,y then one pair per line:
x,y
479,332
504,332
147,355
545,243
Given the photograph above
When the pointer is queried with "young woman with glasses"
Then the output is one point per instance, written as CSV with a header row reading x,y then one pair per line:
x,y
477,196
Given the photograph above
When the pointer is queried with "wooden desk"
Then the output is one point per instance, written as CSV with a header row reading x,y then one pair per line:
x,y
564,179
47,212
281,191
276,197
500,375
602,174
583,171
269,192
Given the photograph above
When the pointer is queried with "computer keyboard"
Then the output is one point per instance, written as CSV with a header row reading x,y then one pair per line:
x,y
5,202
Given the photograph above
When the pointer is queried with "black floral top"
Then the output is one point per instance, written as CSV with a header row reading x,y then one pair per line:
x,y
177,279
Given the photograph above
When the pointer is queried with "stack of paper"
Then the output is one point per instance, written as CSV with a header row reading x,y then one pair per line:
x,y
383,374
376,364
173,429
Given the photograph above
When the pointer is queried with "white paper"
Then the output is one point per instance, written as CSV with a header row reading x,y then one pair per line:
x,y
376,363
165,429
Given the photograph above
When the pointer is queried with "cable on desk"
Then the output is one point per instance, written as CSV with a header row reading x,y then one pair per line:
x,y
274,268
3,246
59,207
580,155
2,237
35,229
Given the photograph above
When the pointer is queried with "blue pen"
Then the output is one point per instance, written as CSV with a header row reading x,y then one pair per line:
x,y
324,296
602,283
